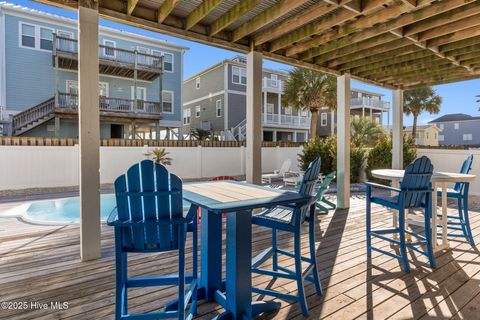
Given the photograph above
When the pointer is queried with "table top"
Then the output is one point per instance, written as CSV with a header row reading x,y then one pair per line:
x,y
229,196
394,174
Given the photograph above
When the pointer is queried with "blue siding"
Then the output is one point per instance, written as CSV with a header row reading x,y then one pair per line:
x,y
31,76
454,136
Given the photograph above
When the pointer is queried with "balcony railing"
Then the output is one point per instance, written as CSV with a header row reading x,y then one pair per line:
x,y
133,58
368,102
277,85
286,120
117,105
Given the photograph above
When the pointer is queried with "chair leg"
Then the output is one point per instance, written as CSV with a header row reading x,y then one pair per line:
x,y
121,298
181,272
428,235
195,267
298,272
274,247
369,227
467,220
403,245
461,217
316,278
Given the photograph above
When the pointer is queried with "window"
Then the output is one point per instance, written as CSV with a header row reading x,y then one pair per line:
x,y
441,137
65,34
72,87
197,83
167,58
109,49
440,126
103,89
141,93
270,107
28,35
218,108
186,116
197,111
323,119
239,75
274,79
142,57
456,125
467,137
46,38
167,101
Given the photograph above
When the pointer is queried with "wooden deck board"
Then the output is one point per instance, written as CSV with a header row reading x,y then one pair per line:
x,y
41,263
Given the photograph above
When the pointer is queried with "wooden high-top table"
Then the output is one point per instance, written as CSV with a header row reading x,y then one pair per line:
x,y
438,178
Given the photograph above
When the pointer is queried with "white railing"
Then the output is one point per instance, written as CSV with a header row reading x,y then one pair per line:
x,y
369,102
286,120
270,84
3,113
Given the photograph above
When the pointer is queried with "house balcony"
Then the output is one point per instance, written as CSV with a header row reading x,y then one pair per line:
x,y
358,103
285,121
273,85
112,61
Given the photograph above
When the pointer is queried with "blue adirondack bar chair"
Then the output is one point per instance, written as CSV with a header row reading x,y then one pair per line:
x,y
415,192
323,203
149,219
461,222
290,219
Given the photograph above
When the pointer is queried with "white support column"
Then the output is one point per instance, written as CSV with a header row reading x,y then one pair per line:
x,y
397,128
279,108
89,133
343,141
274,135
265,106
254,118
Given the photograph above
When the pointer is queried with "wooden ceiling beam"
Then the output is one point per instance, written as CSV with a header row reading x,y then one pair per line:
x,y
415,56
232,15
455,36
444,76
313,13
271,14
131,4
201,12
423,73
165,9
431,62
470,22
457,78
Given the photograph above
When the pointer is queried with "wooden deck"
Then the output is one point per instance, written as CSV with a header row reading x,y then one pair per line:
x,y
41,263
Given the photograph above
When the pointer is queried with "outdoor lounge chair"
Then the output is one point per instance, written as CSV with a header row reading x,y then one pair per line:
x,y
149,219
322,203
277,174
415,192
290,219
460,222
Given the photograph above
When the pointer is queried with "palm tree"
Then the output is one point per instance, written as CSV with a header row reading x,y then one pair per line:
x,y
200,134
418,100
365,132
160,155
308,90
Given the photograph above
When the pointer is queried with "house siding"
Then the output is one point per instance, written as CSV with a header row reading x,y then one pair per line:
x,y
454,136
31,77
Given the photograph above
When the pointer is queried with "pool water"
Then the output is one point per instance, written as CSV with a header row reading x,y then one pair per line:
x,y
67,210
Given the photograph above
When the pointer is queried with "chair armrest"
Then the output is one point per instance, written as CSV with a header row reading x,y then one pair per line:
x,y
112,217
381,186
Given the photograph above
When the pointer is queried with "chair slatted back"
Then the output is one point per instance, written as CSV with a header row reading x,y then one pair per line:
x,y
285,167
325,184
466,167
308,187
416,182
148,193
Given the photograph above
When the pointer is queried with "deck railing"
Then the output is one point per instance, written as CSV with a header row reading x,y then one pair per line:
x,y
273,84
118,55
368,102
70,101
286,120
30,115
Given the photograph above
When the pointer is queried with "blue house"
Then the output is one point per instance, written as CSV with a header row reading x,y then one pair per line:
x,y
458,129
140,83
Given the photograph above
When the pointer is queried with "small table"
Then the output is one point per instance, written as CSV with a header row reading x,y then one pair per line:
x,y
438,178
237,200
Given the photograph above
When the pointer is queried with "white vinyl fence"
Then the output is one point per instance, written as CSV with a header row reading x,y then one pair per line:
x,y
24,167
448,160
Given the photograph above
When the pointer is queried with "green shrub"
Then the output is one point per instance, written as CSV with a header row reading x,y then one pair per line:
x,y
380,156
357,159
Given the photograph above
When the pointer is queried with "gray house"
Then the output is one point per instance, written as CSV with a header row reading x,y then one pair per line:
x,y
140,80
215,100
458,129
363,104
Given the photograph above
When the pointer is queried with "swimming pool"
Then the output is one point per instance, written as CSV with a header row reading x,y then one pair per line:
x,y
61,211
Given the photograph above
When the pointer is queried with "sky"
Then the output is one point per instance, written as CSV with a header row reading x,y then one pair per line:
x,y
457,97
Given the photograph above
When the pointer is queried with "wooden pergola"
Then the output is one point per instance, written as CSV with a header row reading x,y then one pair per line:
x,y
397,44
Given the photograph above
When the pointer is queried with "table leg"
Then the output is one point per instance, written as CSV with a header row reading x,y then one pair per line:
x,y
210,255
444,244
434,216
395,184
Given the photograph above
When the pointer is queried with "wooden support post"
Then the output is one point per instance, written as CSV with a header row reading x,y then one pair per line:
x,y
397,128
57,126
254,114
89,133
343,141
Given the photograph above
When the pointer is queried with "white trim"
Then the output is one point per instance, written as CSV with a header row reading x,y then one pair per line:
x,y
163,54
239,75
217,108
323,117
37,36
237,92
170,123
105,49
211,95
71,34
225,95
132,94
107,87
173,101
197,83
188,112
3,63
46,17
199,110
109,76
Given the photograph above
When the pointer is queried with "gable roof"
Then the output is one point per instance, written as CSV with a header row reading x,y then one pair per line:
x,y
455,117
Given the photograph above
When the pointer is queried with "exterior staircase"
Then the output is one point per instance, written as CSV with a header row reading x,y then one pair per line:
x,y
239,132
33,117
